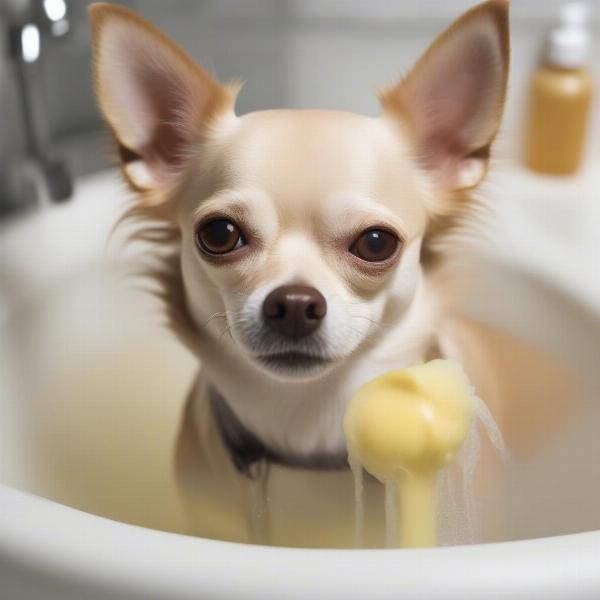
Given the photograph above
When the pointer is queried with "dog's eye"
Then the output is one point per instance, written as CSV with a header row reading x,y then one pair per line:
x,y
375,245
219,237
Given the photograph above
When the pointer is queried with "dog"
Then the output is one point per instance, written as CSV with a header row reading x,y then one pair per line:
x,y
305,248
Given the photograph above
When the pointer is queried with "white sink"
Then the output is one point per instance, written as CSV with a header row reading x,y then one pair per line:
x,y
91,388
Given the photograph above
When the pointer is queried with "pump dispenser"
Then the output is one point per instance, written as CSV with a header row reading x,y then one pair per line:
x,y
561,93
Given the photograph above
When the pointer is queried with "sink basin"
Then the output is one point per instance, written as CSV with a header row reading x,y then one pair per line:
x,y
89,409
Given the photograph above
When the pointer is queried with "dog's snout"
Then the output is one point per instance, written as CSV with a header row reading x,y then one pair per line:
x,y
295,310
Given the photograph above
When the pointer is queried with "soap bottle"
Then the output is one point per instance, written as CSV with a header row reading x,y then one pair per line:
x,y
561,93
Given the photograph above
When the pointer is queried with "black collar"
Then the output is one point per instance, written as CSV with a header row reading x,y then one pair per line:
x,y
245,448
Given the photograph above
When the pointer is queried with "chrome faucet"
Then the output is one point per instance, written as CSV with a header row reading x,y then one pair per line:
x,y
38,173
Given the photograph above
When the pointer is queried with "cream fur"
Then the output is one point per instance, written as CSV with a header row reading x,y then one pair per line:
x,y
302,184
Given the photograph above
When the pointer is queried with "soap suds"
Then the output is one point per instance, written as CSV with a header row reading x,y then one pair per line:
x,y
459,511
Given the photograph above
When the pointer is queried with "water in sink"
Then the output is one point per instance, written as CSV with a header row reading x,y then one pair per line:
x,y
92,390
85,373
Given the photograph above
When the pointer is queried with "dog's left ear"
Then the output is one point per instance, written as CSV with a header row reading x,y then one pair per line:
x,y
158,102
452,100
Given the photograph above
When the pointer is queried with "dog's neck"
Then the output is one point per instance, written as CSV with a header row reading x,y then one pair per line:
x,y
246,449
300,420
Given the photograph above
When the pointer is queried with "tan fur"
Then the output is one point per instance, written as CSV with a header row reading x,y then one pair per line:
x,y
152,213
455,207
154,208
394,98
221,97
302,185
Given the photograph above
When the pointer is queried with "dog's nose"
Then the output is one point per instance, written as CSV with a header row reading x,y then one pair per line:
x,y
295,310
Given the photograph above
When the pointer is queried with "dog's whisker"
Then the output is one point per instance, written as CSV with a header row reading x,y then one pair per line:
x,y
217,315
226,331
377,324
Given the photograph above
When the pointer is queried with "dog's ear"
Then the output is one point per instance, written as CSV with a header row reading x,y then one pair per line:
x,y
158,102
452,100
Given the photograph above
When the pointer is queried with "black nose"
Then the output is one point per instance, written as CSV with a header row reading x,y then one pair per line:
x,y
295,310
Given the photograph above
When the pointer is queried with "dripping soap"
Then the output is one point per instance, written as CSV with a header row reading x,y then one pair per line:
x,y
406,425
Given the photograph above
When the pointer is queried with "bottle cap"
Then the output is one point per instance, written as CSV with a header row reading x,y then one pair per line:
x,y
568,43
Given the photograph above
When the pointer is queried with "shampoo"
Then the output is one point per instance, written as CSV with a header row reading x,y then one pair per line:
x,y
561,93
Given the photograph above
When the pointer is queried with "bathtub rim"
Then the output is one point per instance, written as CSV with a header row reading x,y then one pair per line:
x,y
39,552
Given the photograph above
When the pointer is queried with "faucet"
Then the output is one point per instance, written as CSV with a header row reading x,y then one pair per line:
x,y
40,174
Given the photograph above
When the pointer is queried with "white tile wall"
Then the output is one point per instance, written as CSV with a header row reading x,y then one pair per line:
x,y
297,53
377,10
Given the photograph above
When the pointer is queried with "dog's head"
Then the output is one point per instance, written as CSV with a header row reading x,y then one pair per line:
x,y
302,233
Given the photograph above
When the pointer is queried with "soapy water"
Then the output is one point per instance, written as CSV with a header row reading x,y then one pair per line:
x,y
79,374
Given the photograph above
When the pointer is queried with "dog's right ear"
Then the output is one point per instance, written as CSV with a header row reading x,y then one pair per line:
x,y
452,100
158,102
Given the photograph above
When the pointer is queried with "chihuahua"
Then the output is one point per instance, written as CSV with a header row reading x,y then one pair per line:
x,y
299,251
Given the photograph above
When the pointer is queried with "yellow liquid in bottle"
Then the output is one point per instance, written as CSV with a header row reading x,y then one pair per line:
x,y
403,427
558,119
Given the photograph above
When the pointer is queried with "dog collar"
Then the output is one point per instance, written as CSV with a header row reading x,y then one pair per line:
x,y
246,449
